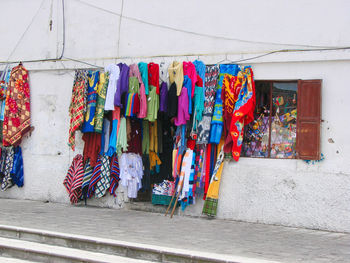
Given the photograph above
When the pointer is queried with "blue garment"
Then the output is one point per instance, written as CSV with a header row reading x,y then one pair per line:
x,y
122,84
188,85
112,148
200,69
89,122
17,167
143,68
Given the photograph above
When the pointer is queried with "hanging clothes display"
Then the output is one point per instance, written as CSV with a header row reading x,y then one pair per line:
x,y
157,128
17,108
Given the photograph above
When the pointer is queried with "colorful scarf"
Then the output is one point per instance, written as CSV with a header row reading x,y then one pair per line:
x,y
203,130
211,201
100,102
243,112
17,107
77,104
7,181
88,169
89,123
74,179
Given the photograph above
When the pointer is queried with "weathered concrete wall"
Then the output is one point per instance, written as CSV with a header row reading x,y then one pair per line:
x,y
288,192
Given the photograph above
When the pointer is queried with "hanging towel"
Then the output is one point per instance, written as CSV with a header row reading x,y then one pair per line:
x,y
74,179
17,108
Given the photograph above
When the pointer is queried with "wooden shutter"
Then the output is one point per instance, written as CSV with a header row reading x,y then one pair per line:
x,y
309,119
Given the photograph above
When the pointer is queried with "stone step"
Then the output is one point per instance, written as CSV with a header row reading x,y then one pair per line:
x,y
98,247
39,252
14,260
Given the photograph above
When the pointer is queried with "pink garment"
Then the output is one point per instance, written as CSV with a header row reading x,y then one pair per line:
x,y
182,110
190,71
135,72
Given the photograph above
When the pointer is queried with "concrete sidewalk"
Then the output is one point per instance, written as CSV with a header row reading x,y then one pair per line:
x,y
258,241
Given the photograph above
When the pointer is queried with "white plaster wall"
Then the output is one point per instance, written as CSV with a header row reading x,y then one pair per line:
x,y
288,192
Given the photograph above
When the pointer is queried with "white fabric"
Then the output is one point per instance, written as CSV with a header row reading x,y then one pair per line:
x,y
106,125
131,172
163,72
114,72
186,172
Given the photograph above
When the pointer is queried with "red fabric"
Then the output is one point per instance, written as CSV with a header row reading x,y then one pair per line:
x,y
136,106
92,146
207,171
199,82
153,75
190,71
191,144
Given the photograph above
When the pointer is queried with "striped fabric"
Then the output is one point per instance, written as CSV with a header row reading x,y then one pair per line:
x,y
96,176
115,173
103,184
74,179
130,104
77,105
88,169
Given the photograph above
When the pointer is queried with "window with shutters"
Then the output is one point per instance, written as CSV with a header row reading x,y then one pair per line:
x,y
287,121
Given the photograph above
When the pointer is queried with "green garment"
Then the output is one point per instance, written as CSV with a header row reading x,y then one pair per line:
x,y
100,101
122,140
152,104
145,137
198,106
134,85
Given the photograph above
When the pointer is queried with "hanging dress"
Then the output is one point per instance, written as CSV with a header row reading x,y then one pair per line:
x,y
100,102
89,122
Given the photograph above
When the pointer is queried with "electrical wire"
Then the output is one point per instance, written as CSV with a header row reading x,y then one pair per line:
x,y
201,34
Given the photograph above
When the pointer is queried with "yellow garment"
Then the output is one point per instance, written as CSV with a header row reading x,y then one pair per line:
x,y
213,190
153,160
153,137
176,74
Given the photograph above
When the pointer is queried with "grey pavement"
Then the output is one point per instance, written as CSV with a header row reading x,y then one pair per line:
x,y
284,244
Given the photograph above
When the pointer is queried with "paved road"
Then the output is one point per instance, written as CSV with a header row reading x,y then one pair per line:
x,y
278,243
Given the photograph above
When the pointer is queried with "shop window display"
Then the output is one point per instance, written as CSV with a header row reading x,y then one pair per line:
x,y
273,132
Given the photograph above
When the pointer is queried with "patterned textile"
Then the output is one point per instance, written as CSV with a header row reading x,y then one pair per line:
x,y
243,113
89,122
115,173
211,201
104,183
77,105
96,176
74,179
100,102
203,130
88,169
7,181
231,89
17,108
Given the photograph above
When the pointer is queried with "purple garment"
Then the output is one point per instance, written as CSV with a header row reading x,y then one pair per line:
x,y
163,104
182,112
122,84
188,85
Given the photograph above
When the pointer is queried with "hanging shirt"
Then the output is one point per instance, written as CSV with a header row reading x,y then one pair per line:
x,y
198,100
89,122
200,69
176,75
100,102
188,85
172,101
190,71
163,100
122,143
163,72
152,104
113,71
122,84
112,146
131,173
182,113
143,68
134,137
153,75
140,110
145,137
